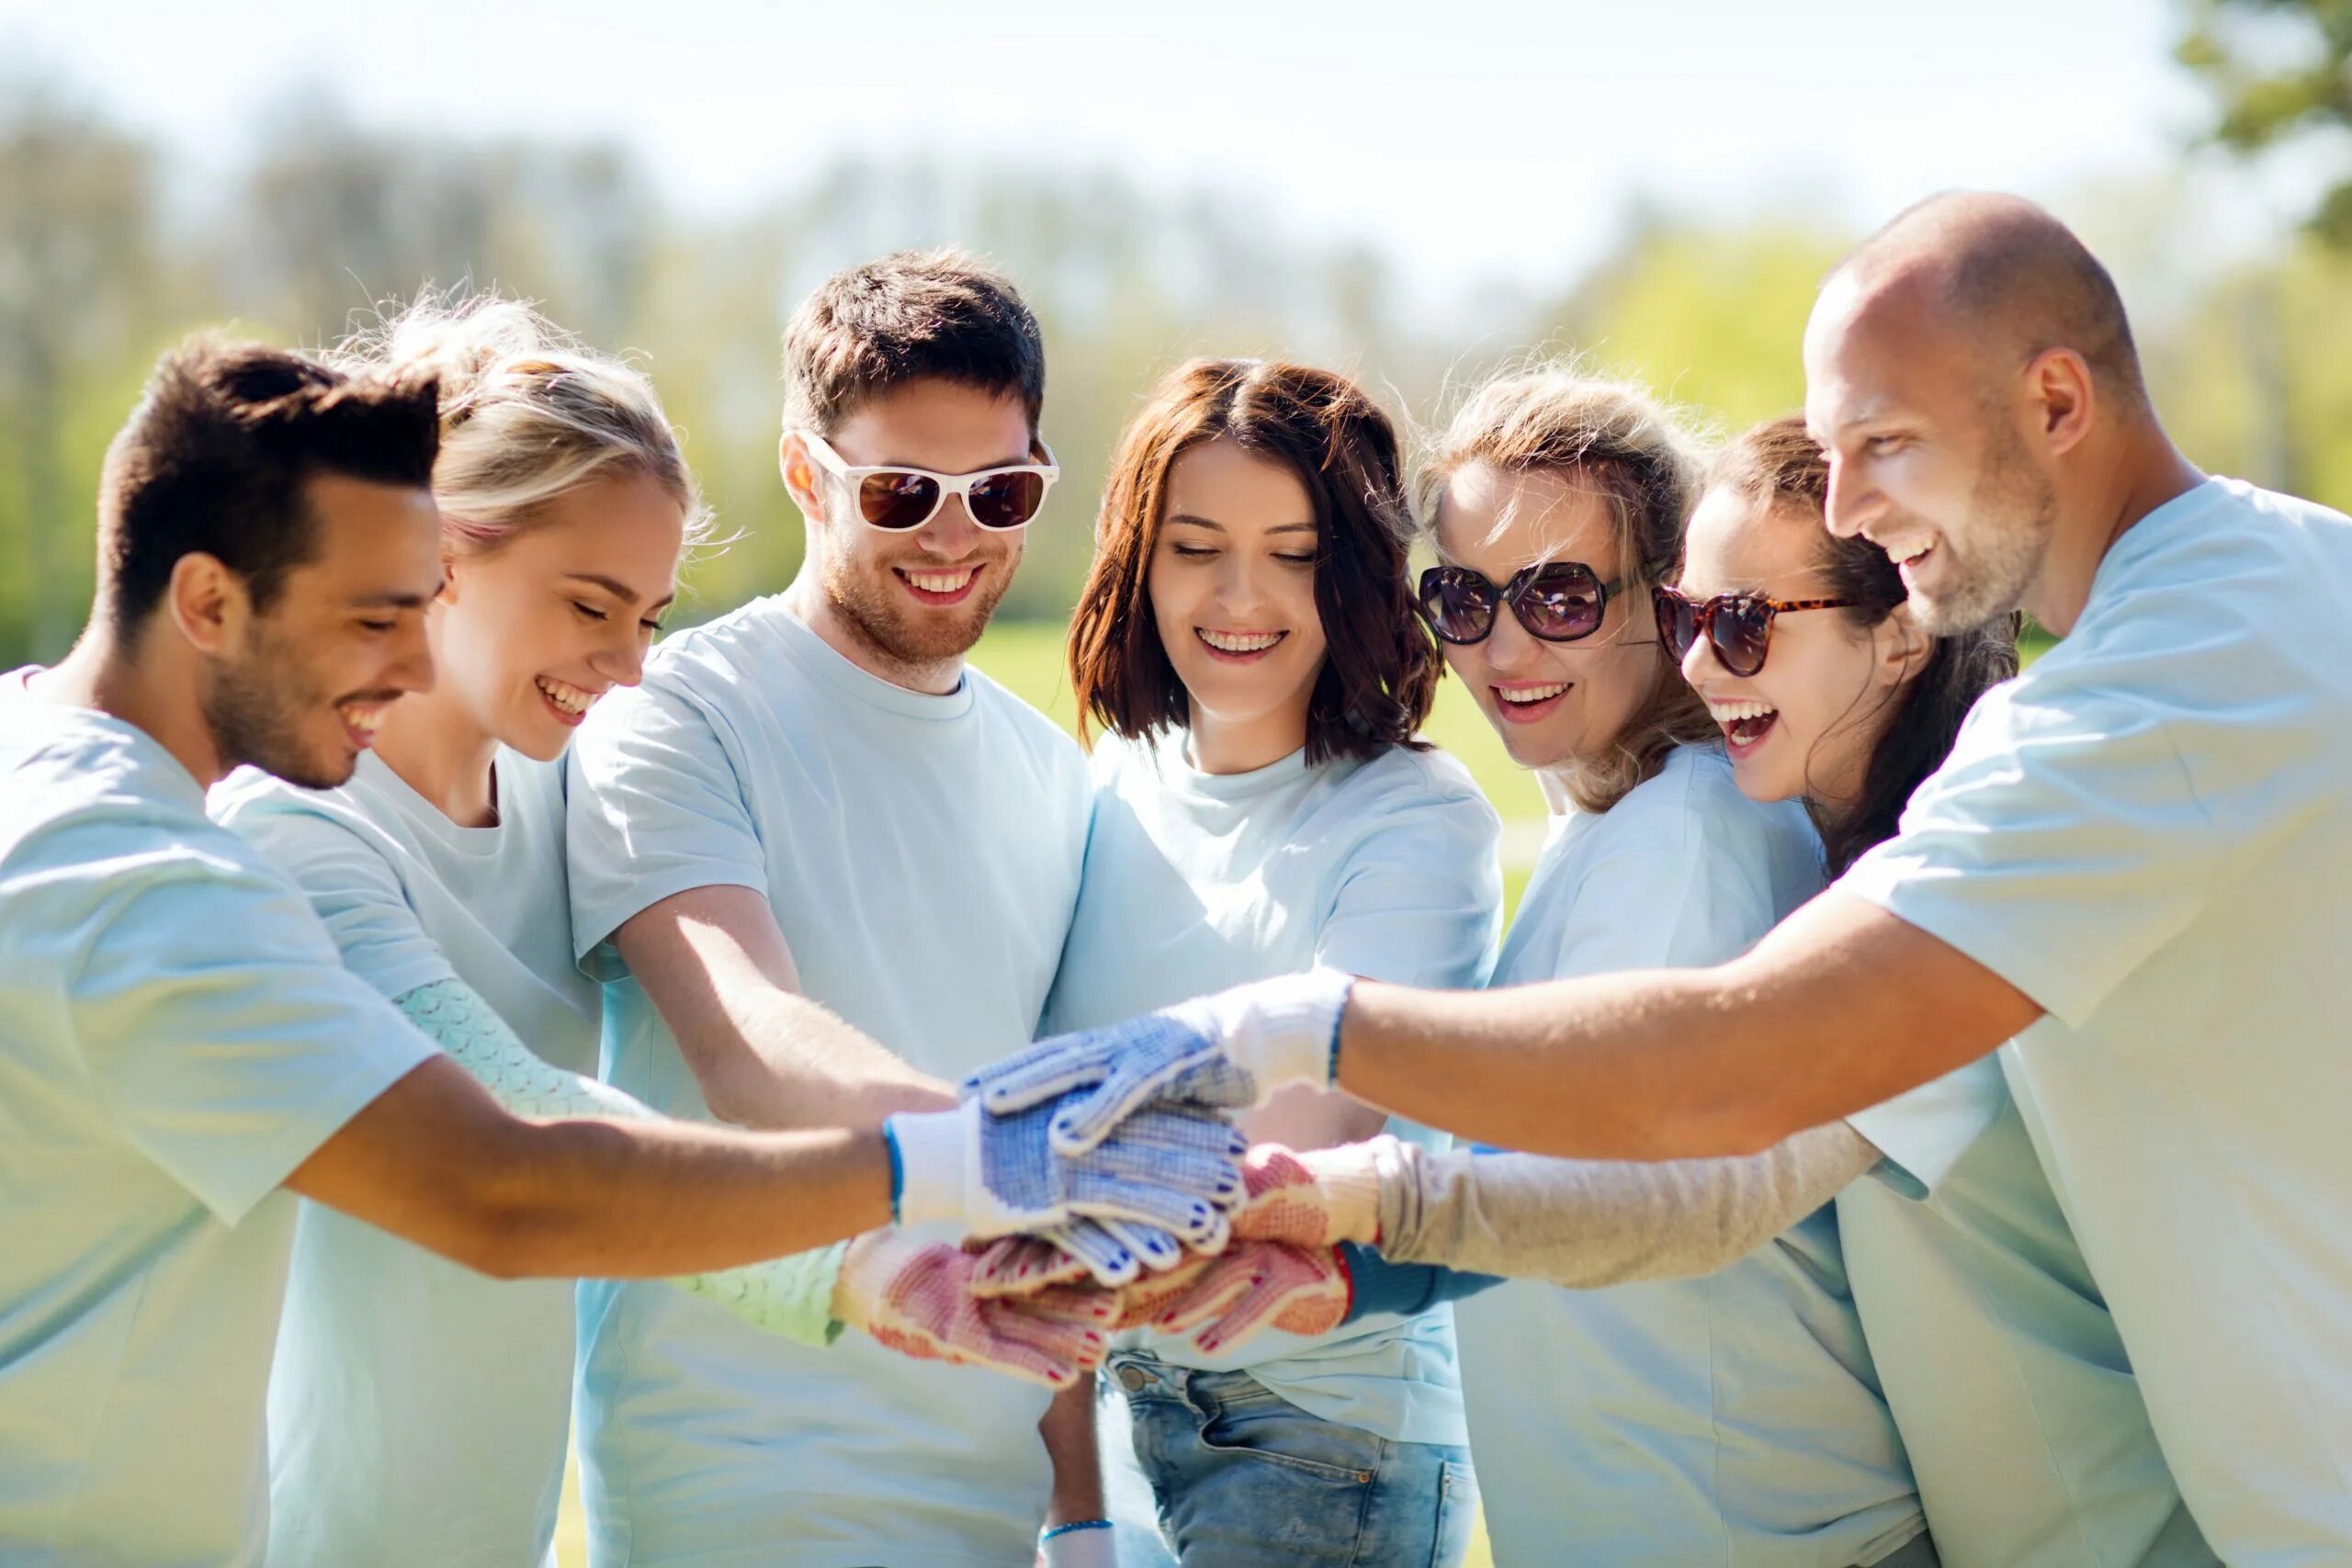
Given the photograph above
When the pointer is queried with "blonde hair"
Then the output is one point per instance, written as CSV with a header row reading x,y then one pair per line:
x,y
1638,456
528,413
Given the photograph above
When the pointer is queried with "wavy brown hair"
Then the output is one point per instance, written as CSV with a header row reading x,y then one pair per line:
x,y
1620,441
1380,667
1777,464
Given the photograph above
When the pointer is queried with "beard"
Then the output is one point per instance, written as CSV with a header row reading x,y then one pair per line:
x,y
882,616
257,708
2013,511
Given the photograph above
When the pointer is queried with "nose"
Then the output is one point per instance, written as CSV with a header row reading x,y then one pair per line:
x,y
1845,506
1699,658
1240,588
623,662
1511,647
411,668
951,532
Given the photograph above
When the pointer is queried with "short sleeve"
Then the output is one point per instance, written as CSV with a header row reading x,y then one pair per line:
x,y
221,1030
655,808
355,892
1420,901
1923,1131
2060,845
1657,907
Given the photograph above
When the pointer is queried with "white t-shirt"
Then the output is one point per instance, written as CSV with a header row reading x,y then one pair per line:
x,y
2008,1381
418,1411
921,854
1734,1419
2149,832
180,1038
1195,882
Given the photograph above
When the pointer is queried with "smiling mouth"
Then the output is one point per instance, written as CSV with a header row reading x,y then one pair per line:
x,y
939,587
1238,647
1745,725
361,720
1525,704
571,703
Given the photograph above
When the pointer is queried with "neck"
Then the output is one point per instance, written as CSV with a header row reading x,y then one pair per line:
x,y
1224,747
441,751
2145,471
162,696
808,604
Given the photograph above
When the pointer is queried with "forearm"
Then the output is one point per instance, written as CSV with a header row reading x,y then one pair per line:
x,y
1591,1223
775,1059
788,1296
613,1200
1839,1007
1068,1430
715,966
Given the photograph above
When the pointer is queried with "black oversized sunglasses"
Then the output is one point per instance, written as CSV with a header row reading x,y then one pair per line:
x,y
1559,601
1738,625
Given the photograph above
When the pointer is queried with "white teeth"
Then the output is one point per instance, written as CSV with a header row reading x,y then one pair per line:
x,y
940,581
1531,694
569,698
1732,713
1240,642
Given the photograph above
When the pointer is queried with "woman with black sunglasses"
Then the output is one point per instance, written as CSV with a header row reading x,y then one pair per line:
x,y
1734,1418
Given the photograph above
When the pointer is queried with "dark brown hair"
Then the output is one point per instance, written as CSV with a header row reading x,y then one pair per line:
x,y
1778,464
216,456
1380,667
911,315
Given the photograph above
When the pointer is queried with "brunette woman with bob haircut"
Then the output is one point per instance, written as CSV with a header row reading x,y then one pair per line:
x,y
1263,805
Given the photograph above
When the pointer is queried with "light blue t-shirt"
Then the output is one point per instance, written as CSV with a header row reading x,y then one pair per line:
x,y
1195,882
180,1038
419,1412
2149,832
921,854
2024,1425
1734,1419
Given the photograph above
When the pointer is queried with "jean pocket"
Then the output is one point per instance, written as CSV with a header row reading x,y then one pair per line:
x,y
1457,1515
1264,1425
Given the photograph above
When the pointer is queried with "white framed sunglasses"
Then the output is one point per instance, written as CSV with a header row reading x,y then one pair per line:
x,y
897,499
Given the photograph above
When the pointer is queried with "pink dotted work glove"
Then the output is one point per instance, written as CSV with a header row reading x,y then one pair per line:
x,y
916,1298
1249,1286
1318,1198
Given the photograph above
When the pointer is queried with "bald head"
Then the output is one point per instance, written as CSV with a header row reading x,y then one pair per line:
x,y
2001,273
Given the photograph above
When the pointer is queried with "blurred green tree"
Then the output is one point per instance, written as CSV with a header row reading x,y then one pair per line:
x,y
2281,73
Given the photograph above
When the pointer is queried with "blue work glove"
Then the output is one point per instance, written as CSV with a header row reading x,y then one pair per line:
x,y
1172,1168
1229,1051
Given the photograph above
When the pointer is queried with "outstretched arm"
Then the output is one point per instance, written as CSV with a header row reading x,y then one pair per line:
x,y
1842,1006
791,1296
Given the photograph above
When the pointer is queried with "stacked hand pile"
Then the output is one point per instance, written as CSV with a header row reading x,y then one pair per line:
x,y
1105,1188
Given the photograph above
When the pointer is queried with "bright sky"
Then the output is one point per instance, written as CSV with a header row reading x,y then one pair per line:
x,y
1475,140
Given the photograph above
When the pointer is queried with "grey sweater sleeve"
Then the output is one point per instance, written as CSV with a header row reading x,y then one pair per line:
x,y
1594,1222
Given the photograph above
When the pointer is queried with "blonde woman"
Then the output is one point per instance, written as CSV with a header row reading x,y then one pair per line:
x,y
418,1412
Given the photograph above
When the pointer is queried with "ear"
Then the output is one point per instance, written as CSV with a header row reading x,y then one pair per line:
x,y
449,594
1903,645
209,603
800,477
2059,382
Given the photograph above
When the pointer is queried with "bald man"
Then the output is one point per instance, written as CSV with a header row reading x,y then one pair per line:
x,y
2135,870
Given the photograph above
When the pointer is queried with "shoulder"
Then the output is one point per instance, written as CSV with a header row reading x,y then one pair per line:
x,y
1690,824
1049,746
1414,791
298,828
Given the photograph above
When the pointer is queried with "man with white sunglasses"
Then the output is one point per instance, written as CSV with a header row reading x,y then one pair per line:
x,y
811,807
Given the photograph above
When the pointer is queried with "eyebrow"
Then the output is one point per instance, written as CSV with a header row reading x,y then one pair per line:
x,y
618,590
1212,523
393,599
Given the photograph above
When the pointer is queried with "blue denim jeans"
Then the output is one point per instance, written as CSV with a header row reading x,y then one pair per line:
x,y
1245,1479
